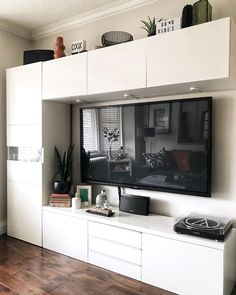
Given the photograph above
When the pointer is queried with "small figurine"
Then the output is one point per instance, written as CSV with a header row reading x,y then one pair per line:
x,y
101,199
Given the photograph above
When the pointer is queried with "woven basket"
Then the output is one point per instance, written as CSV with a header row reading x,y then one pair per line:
x,y
115,37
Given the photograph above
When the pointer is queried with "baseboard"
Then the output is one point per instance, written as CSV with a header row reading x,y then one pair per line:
x,y
3,227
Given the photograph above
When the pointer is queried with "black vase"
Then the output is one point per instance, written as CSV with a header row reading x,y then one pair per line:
x,y
61,187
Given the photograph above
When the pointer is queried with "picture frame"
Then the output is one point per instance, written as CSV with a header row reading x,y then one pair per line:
x,y
85,193
160,116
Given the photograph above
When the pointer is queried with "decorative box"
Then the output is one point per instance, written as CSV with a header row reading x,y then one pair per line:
x,y
78,46
168,25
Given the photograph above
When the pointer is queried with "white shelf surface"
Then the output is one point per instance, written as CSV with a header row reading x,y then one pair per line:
x,y
158,225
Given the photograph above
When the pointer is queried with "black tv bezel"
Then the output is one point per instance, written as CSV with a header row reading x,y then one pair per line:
x,y
156,188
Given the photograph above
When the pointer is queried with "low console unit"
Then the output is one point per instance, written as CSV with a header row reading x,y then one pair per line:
x,y
145,248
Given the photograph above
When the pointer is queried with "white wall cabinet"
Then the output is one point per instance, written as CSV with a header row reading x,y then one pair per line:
x,y
65,234
185,268
199,53
64,77
202,56
117,68
24,102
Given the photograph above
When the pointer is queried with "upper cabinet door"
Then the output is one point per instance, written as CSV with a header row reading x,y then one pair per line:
x,y
24,100
64,77
196,53
117,68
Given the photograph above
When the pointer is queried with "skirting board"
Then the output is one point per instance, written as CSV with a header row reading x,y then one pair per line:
x,y
3,227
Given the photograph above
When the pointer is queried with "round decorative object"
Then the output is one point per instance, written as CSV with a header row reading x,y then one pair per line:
x,y
115,37
61,187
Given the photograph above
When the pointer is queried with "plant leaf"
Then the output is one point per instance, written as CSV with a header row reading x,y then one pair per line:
x,y
146,24
58,162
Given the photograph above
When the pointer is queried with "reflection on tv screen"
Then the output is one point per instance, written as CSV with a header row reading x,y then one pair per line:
x,y
163,146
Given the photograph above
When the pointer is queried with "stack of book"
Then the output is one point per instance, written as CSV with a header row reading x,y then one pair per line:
x,y
60,200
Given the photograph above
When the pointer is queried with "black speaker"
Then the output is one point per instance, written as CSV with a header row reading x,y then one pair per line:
x,y
187,16
36,55
134,204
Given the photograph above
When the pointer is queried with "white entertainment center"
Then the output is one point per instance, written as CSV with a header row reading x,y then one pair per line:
x,y
38,105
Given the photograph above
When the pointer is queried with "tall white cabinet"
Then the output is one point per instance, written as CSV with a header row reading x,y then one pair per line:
x,y
32,132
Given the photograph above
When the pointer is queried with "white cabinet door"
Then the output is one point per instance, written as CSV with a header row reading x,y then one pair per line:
x,y
25,172
193,54
117,68
65,234
181,267
24,212
24,101
24,135
65,76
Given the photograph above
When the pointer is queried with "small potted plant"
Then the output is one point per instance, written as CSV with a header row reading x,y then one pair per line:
x,y
62,178
150,26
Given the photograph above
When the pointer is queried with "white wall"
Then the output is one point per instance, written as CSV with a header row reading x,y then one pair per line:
x,y
130,22
223,201
11,50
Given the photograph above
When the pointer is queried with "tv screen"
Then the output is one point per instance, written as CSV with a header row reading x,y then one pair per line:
x,y
163,146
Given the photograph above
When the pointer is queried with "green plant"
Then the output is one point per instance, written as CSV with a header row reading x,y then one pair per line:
x,y
150,26
64,164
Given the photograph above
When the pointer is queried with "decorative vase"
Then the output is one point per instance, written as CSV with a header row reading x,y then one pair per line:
x,y
187,16
59,48
202,12
61,187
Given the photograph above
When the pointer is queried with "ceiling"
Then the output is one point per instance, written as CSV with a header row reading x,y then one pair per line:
x,y
35,19
34,14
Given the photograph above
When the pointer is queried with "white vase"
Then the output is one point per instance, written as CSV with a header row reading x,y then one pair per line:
x,y
76,203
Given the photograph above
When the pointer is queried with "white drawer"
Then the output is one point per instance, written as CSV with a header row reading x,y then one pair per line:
x,y
115,234
115,250
116,265
25,172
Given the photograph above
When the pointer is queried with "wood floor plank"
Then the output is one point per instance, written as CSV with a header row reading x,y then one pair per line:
x,y
6,291
20,286
26,269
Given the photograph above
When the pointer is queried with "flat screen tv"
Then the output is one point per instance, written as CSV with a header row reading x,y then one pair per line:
x,y
163,146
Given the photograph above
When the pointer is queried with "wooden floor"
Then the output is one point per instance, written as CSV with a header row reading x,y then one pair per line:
x,y
28,270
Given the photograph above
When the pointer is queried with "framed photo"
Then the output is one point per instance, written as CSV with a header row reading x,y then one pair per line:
x,y
85,193
160,117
